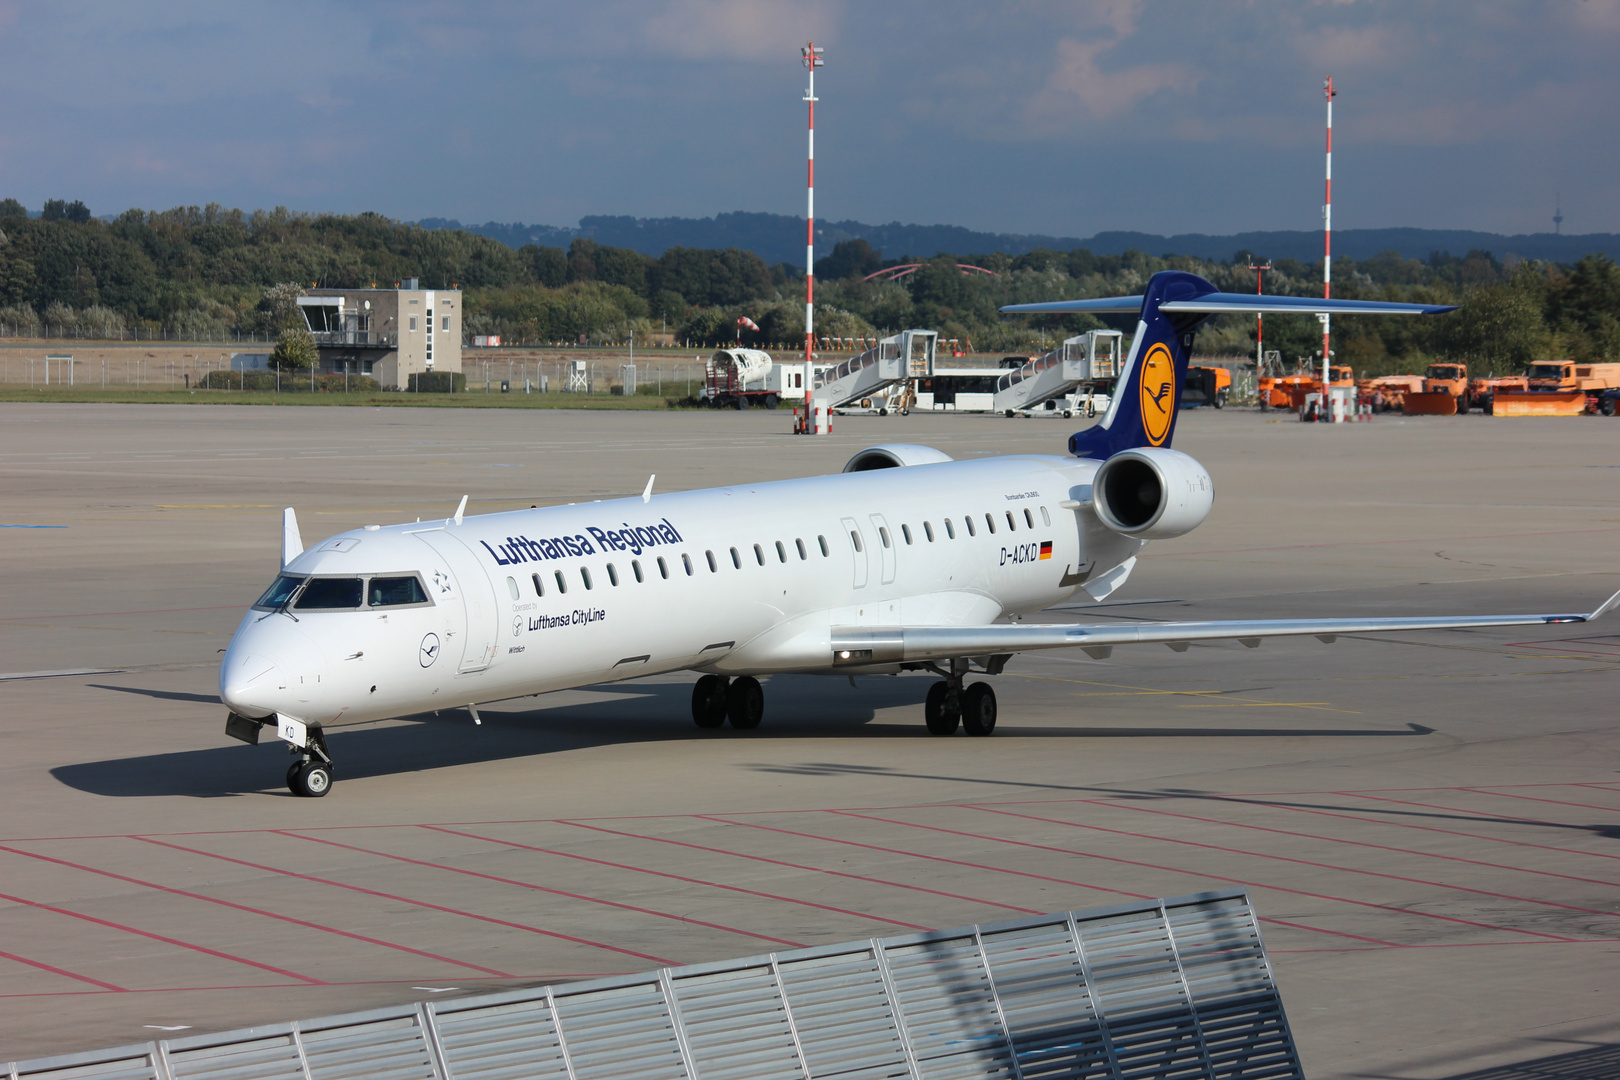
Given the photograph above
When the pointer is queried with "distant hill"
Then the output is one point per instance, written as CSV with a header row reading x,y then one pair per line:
x,y
779,238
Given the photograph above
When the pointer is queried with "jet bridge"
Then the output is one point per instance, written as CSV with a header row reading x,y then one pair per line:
x,y
905,356
1088,358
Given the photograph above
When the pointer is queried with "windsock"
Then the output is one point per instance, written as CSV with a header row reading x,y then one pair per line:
x,y
743,320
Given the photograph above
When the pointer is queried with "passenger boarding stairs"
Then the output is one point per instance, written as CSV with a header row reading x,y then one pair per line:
x,y
1091,357
905,356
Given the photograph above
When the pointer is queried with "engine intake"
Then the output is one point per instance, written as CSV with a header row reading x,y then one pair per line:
x,y
1152,493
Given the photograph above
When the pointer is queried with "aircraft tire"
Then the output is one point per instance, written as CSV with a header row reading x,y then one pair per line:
x,y
979,709
313,779
292,776
745,703
940,721
709,702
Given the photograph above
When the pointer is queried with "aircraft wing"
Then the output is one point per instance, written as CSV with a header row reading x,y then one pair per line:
x,y
883,645
1217,302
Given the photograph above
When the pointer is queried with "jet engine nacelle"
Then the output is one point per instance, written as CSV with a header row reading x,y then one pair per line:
x,y
1152,493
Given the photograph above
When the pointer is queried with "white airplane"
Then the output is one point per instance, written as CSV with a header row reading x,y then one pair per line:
x,y
847,574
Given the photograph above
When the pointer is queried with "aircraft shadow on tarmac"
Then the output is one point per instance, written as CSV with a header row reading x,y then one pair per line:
x,y
800,707
1599,1062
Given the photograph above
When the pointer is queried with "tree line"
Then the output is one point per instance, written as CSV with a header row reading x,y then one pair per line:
x,y
210,272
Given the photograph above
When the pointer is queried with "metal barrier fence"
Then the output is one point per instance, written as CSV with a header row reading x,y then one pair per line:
x,y
1175,988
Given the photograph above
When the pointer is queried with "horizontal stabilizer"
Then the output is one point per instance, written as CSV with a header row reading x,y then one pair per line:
x,y
879,645
1218,302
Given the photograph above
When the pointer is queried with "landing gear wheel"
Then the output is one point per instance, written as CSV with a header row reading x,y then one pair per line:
x,y
292,775
940,718
312,780
745,703
709,702
979,709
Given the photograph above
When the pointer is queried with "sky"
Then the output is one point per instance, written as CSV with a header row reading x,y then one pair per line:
x,y
1064,119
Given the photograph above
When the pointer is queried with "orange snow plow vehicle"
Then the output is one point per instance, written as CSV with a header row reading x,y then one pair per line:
x,y
1445,392
1559,388
1388,391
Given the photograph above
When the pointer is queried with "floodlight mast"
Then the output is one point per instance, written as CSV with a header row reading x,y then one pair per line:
x,y
1259,322
810,56
1327,237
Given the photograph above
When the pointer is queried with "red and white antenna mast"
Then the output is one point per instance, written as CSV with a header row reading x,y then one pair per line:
x,y
1327,237
811,58
1259,321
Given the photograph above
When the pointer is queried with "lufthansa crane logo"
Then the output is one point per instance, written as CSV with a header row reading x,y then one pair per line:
x,y
429,650
1158,392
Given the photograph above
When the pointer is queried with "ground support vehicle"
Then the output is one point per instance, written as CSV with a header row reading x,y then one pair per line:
x,y
1482,392
1559,388
744,378
1448,378
1206,386
1389,391
1300,392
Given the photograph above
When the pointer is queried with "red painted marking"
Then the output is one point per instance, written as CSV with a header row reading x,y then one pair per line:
x,y
1532,798
59,971
542,888
255,911
1299,862
679,877
167,940
1121,805
532,980
407,900
1009,873
1213,877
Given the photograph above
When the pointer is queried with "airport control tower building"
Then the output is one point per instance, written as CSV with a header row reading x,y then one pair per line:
x,y
389,334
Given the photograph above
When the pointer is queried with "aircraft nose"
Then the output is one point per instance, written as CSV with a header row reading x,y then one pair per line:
x,y
267,672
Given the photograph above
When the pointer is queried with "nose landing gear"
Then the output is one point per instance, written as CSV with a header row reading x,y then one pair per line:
x,y
311,775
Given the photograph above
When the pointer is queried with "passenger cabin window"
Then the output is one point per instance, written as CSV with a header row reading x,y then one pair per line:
x,y
928,531
855,538
1012,522
539,589
905,531
686,560
613,574
330,593
279,592
396,592
822,540
950,530
1029,518
968,521
803,555
883,534
585,576
990,523
736,559
759,555
511,588
781,552
635,567
1046,519
663,568
562,582
714,567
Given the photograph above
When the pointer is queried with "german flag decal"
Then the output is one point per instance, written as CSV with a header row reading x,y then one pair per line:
x,y
1046,549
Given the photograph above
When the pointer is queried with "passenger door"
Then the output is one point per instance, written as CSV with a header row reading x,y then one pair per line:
x,y
471,584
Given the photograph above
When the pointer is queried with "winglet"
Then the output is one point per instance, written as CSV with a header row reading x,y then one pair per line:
x,y
460,510
292,544
646,496
1608,605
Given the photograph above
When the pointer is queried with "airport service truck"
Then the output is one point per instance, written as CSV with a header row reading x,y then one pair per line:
x,y
1560,388
744,378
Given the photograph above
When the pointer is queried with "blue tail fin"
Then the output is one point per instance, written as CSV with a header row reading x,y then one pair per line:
x,y
1146,394
1175,303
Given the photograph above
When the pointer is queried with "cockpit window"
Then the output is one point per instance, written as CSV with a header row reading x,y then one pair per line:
x,y
394,591
280,592
330,593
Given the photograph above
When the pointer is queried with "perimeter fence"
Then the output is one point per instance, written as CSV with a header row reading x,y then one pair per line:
x,y
1160,989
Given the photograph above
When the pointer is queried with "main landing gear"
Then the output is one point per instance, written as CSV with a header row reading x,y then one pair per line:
x,y
949,704
716,699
